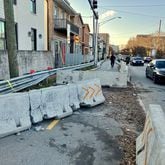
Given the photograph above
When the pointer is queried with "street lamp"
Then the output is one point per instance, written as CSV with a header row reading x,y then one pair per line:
x,y
100,24
103,22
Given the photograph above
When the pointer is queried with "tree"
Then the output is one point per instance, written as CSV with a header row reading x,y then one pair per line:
x,y
11,38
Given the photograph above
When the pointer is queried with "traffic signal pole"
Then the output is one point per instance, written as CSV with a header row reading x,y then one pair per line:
x,y
96,44
93,6
94,36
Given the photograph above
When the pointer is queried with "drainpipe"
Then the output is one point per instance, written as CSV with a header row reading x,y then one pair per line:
x,y
48,44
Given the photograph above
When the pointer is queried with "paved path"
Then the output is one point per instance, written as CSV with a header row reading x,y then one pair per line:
x,y
106,66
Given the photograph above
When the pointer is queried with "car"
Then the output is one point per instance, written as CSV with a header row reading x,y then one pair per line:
x,y
147,59
156,70
138,61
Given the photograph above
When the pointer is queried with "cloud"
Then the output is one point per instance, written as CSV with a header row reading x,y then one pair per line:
x,y
108,13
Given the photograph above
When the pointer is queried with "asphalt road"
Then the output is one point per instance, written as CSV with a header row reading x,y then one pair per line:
x,y
149,92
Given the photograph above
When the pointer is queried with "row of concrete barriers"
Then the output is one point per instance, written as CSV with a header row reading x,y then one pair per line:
x,y
18,111
107,77
150,145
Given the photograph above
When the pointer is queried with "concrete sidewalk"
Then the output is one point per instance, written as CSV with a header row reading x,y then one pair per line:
x,y
106,66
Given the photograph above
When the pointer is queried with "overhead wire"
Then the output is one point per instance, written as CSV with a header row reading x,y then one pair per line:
x,y
140,14
136,6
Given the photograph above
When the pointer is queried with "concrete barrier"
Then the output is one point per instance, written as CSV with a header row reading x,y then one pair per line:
x,y
55,102
14,113
74,101
150,145
90,92
17,111
107,78
36,106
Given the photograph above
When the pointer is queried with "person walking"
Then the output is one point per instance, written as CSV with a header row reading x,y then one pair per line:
x,y
112,58
127,60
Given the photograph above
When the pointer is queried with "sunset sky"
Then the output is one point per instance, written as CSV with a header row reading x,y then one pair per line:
x,y
138,17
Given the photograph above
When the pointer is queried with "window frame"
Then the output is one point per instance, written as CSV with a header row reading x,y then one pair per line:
x,y
3,38
15,2
33,6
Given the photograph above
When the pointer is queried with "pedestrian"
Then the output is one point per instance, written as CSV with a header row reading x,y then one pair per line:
x,y
127,60
112,58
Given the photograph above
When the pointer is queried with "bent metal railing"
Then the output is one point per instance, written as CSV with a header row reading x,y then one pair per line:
x,y
22,82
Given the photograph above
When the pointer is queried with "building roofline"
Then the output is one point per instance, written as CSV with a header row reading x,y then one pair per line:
x,y
66,5
87,26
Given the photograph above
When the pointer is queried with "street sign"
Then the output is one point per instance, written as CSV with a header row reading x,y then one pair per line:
x,y
76,39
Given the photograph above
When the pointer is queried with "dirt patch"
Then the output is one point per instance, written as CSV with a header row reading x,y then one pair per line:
x,y
128,112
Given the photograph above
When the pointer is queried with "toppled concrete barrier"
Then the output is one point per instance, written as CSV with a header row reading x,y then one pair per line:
x,y
55,102
36,106
90,92
14,113
150,145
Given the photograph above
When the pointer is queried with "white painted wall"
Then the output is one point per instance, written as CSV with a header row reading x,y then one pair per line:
x,y
27,20
1,10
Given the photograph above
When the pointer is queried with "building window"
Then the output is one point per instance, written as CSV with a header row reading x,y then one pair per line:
x,y
14,2
63,15
56,12
2,36
34,38
33,6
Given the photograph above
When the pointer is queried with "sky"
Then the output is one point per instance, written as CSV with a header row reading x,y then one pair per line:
x,y
137,17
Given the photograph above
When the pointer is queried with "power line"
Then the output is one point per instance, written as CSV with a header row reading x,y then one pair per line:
x,y
85,16
159,5
140,14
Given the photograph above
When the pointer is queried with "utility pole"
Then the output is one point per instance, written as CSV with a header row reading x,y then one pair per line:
x,y
158,46
11,37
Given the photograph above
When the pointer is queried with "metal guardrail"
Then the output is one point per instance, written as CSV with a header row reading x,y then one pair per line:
x,y
22,82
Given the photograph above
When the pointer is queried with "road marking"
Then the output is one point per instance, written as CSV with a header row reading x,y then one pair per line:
x,y
52,124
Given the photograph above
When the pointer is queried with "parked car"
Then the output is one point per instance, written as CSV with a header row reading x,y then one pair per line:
x,y
138,61
147,59
156,70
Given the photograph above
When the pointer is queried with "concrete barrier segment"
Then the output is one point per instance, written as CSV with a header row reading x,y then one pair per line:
x,y
74,101
35,106
67,76
90,92
14,113
123,67
107,78
150,145
55,102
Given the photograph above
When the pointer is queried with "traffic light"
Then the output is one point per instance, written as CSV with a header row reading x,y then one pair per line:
x,y
94,4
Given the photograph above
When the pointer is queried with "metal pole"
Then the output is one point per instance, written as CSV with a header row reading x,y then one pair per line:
x,y
158,46
94,39
96,44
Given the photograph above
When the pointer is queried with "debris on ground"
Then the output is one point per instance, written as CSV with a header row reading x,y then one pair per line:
x,y
128,112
